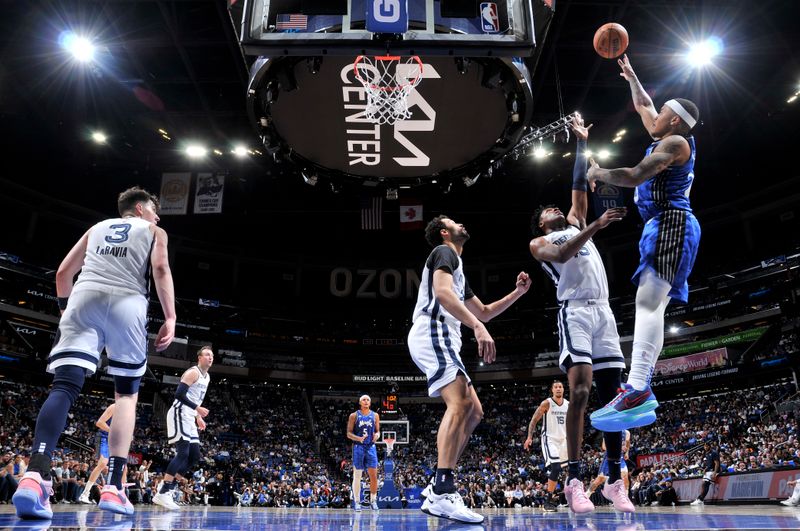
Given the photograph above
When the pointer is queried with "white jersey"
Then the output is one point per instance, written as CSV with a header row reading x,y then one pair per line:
x,y
118,255
554,425
582,276
445,258
197,391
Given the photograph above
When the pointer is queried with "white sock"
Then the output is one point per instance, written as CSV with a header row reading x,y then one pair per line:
x,y
643,361
88,488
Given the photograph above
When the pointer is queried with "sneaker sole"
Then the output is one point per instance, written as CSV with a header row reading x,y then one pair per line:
x,y
624,421
115,508
166,506
451,518
28,505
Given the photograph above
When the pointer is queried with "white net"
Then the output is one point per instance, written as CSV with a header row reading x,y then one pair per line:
x,y
388,81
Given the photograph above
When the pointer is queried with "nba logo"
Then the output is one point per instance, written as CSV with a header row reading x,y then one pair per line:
x,y
490,22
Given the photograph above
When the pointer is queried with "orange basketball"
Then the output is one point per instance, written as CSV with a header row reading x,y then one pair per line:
x,y
610,40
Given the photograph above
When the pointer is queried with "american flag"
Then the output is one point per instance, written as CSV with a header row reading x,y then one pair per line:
x,y
297,22
372,213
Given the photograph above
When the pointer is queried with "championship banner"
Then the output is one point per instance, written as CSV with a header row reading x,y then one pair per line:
x,y
174,194
711,359
656,459
208,194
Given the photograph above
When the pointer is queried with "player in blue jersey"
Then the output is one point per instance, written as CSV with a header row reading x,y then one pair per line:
x,y
364,428
103,427
667,248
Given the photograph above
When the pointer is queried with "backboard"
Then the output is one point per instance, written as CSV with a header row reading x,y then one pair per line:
x,y
399,430
404,27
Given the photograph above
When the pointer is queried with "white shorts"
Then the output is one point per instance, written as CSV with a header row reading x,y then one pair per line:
x,y
182,423
113,319
587,333
434,348
554,450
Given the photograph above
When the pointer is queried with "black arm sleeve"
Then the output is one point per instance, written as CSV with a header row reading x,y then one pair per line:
x,y
444,258
180,395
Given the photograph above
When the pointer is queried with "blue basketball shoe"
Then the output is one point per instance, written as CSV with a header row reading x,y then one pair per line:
x,y
630,409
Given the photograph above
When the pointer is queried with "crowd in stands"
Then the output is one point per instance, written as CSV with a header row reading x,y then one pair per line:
x,y
259,449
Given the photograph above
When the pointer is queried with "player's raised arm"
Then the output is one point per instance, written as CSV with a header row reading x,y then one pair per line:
x,y
672,150
580,200
543,408
487,312
641,100
544,251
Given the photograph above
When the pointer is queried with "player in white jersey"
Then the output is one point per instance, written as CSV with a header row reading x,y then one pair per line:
x,y
445,302
184,419
554,411
105,308
588,338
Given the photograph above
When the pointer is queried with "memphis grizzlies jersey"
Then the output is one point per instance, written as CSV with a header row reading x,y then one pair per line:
x,y
365,425
555,420
581,277
668,190
197,391
118,255
445,258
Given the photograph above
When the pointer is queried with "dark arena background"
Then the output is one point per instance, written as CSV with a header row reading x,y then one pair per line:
x,y
296,244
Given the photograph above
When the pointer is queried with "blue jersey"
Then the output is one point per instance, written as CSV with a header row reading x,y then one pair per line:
x,y
365,425
104,434
668,190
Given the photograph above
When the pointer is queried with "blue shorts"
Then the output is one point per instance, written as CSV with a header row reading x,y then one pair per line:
x,y
668,246
102,446
623,466
365,456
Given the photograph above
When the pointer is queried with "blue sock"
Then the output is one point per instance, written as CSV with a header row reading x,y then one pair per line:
x,y
116,465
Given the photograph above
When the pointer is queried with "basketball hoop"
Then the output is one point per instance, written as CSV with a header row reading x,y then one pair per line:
x,y
388,80
389,446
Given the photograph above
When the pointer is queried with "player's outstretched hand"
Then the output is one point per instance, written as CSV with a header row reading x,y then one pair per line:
x,y
581,131
165,335
611,215
486,348
523,282
203,412
627,69
527,444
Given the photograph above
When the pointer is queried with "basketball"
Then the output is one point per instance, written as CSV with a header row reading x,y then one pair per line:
x,y
610,40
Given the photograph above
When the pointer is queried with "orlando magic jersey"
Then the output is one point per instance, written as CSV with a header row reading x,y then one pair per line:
x,y
445,258
555,420
197,391
668,190
365,425
104,434
117,255
581,277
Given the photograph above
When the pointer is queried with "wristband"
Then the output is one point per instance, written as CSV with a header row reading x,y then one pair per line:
x,y
62,303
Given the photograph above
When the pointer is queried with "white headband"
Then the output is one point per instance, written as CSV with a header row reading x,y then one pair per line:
x,y
680,111
363,397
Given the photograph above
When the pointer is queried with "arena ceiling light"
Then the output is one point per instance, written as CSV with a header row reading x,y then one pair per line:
x,y
540,153
239,151
674,329
702,53
603,154
99,137
81,48
196,151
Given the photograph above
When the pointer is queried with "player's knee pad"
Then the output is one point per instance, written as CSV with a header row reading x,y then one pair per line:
x,y
194,455
608,381
181,459
127,385
555,471
69,380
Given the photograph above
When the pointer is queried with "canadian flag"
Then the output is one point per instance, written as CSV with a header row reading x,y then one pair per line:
x,y
410,215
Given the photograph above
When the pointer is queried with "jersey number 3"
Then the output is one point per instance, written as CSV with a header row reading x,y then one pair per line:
x,y
120,234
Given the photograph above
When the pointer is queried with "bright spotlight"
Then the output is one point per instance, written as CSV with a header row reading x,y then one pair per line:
x,y
539,153
195,151
792,99
99,137
81,48
674,329
603,154
239,151
700,54
588,153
